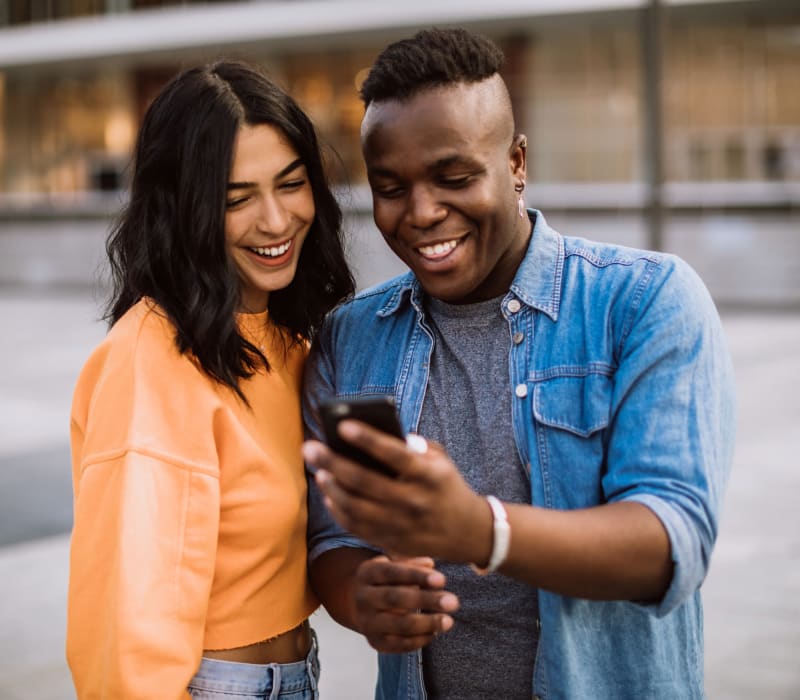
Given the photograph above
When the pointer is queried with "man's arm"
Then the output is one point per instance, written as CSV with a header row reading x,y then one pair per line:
x,y
332,577
617,551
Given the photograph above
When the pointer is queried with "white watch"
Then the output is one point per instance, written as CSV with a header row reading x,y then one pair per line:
x,y
501,537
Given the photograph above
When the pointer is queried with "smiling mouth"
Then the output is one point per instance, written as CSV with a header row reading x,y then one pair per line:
x,y
437,251
272,251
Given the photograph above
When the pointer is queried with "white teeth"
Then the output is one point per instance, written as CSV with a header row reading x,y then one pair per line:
x,y
438,249
273,251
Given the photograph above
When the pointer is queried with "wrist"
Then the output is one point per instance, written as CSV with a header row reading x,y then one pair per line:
x,y
501,538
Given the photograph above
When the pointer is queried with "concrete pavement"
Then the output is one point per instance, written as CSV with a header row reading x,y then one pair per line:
x,y
751,595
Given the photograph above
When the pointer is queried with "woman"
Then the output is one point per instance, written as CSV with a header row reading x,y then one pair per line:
x,y
188,556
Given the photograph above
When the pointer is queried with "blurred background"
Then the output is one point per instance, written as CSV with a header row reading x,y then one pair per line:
x,y
672,125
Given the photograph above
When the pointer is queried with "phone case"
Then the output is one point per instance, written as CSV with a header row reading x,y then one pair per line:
x,y
377,411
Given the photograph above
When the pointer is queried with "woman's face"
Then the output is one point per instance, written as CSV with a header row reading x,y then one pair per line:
x,y
269,210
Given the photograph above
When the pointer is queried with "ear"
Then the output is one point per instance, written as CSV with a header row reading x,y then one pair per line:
x,y
518,158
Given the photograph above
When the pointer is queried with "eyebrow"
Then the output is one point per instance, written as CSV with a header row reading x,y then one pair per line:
x,y
298,162
440,164
452,160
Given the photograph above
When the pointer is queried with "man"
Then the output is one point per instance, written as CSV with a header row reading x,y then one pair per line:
x,y
577,399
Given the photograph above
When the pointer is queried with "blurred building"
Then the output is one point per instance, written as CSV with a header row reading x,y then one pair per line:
x,y
716,107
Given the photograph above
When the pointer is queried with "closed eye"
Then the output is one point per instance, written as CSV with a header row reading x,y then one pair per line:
x,y
456,182
387,191
234,202
293,184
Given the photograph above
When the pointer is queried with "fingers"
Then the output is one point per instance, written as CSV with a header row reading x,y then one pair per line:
x,y
360,515
400,571
401,604
396,633
399,454
359,500
412,459
354,477
403,599
422,511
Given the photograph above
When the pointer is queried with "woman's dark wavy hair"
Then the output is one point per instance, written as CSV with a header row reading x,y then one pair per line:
x,y
431,58
169,243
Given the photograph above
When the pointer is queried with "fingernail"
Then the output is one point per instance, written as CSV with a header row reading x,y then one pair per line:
x,y
447,623
448,602
348,429
310,451
436,579
322,477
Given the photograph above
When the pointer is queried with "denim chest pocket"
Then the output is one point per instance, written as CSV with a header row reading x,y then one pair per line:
x,y
570,415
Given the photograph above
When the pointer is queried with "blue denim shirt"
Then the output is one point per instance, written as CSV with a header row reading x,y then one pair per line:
x,y
623,390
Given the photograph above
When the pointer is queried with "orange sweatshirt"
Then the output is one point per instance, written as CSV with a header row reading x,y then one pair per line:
x,y
190,510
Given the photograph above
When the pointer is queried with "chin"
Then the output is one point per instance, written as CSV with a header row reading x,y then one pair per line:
x,y
446,293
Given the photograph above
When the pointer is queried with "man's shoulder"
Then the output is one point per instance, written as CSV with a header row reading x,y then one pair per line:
x,y
616,264
631,279
557,266
602,254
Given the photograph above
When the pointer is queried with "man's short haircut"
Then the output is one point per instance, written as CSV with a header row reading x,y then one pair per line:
x,y
431,58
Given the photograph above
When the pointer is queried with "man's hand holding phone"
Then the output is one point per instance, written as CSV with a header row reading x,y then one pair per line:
x,y
425,508
400,603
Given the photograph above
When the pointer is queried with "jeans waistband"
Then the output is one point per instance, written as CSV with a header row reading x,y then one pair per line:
x,y
260,680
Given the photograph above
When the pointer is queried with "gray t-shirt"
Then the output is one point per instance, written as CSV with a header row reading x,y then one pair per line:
x,y
490,651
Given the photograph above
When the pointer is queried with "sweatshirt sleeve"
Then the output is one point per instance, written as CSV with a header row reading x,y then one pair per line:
x,y
141,568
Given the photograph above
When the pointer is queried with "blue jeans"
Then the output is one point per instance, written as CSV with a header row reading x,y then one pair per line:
x,y
217,679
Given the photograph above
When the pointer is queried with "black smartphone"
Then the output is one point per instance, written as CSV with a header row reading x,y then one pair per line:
x,y
377,411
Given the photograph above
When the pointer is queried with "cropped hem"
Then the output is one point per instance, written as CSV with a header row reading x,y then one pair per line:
x,y
234,636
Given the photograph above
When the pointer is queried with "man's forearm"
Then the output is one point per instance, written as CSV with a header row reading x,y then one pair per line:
x,y
332,577
617,551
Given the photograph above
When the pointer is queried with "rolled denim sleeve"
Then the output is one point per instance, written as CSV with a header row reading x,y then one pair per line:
x,y
323,533
673,417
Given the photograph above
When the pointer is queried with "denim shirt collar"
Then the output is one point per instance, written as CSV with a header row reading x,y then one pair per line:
x,y
537,282
538,279
407,289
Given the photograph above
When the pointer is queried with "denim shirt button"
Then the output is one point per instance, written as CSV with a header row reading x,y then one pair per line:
x,y
521,390
514,306
517,338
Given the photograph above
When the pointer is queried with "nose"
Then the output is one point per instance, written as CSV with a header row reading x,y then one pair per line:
x,y
424,210
272,216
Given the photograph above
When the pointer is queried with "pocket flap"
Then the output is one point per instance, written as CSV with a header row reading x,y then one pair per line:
x,y
581,405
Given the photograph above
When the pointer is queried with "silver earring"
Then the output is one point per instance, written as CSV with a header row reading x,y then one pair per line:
x,y
521,207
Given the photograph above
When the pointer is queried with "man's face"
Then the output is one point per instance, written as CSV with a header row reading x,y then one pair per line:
x,y
443,167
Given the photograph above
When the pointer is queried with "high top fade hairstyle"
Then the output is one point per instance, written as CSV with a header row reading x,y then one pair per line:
x,y
169,243
431,58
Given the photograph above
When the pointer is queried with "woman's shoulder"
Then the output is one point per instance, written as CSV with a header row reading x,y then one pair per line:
x,y
139,356
144,338
137,389
143,327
